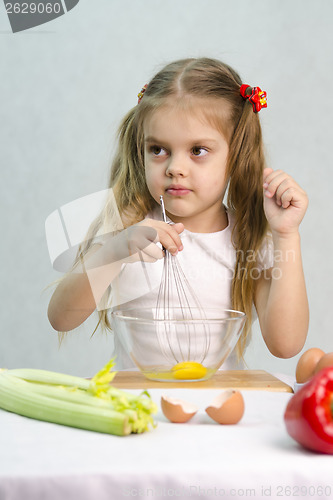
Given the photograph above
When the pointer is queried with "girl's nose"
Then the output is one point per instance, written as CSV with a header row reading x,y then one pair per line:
x,y
176,166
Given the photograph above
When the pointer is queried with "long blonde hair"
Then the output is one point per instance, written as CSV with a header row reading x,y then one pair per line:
x,y
212,81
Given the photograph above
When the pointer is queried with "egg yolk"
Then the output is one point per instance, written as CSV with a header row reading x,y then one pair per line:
x,y
188,370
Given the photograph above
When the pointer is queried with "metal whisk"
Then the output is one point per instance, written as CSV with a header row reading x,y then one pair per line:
x,y
182,332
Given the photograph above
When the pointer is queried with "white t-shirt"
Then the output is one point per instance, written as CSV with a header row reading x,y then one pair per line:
x,y
208,261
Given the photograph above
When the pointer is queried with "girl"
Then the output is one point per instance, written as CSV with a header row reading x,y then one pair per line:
x,y
194,137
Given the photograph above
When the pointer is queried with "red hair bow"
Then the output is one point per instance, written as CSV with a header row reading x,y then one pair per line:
x,y
142,91
257,97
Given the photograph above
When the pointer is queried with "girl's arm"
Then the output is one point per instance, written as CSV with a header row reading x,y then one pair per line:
x,y
281,298
79,293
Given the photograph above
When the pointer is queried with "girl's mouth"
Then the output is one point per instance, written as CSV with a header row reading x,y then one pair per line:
x,y
175,190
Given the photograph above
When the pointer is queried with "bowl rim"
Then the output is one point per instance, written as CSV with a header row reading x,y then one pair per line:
x,y
121,314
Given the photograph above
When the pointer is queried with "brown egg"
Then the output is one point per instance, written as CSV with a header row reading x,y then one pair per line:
x,y
324,362
306,364
177,410
227,407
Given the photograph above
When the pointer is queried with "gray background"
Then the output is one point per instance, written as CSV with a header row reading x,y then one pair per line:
x,y
64,88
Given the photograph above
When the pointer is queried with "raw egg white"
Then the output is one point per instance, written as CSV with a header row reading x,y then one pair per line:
x,y
177,410
227,408
306,365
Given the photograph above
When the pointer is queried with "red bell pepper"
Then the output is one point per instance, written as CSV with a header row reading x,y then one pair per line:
x,y
309,413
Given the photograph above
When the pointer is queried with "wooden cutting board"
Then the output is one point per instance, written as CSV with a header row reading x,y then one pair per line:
x,y
223,379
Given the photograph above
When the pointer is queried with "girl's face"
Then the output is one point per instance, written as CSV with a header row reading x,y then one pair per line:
x,y
185,161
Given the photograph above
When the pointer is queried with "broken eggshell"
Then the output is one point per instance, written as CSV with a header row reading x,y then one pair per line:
x,y
177,410
227,408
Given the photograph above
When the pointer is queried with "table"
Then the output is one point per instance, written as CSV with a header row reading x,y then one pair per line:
x,y
201,459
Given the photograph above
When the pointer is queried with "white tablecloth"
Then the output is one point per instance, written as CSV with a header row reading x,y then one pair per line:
x,y
201,459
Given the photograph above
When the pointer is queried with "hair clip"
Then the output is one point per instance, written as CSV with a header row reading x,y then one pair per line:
x,y
257,97
142,91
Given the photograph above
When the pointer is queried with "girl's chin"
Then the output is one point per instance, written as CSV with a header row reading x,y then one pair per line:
x,y
180,215
177,207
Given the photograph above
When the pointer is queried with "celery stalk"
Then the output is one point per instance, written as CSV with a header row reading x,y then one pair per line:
x,y
65,399
65,393
31,404
50,378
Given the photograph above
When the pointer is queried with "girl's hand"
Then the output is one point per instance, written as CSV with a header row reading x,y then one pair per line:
x,y
166,234
285,202
137,242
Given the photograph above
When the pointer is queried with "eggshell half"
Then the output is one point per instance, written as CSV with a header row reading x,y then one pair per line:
x,y
227,408
324,362
177,410
307,363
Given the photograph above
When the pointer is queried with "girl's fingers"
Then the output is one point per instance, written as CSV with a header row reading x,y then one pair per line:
x,y
286,197
151,253
177,229
273,180
169,237
286,186
167,234
269,174
283,187
267,171
277,183
171,241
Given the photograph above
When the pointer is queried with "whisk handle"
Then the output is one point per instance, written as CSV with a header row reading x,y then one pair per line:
x,y
163,209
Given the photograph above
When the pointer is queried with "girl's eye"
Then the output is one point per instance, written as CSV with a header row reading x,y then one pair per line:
x,y
197,151
157,151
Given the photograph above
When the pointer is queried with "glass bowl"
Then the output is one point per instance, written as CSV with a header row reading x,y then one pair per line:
x,y
190,345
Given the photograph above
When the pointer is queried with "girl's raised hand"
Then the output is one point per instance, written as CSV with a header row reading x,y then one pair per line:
x,y
285,202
